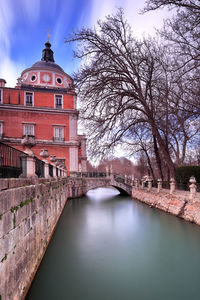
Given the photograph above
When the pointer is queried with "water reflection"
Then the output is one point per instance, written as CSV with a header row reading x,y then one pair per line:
x,y
102,194
111,247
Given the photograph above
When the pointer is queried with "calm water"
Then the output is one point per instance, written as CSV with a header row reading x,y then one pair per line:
x,y
107,247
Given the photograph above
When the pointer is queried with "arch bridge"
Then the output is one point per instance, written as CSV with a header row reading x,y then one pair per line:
x,y
92,180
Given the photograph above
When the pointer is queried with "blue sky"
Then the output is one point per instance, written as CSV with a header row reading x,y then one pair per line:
x,y
24,25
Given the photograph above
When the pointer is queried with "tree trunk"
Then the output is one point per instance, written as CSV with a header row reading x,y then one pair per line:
x,y
158,160
163,149
150,166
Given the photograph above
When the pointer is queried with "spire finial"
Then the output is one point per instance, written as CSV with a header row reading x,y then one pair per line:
x,y
48,34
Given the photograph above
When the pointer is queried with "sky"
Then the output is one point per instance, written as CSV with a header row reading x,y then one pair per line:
x,y
24,25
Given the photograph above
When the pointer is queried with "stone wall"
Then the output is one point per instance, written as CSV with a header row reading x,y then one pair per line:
x,y
29,211
178,203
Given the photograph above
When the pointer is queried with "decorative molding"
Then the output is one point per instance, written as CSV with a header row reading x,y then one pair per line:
x,y
61,125
44,142
40,109
31,123
43,89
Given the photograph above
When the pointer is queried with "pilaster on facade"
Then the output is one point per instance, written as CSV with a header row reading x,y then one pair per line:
x,y
84,165
83,145
73,127
75,101
73,159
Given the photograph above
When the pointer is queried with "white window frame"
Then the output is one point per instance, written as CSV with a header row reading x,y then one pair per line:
x,y
58,137
57,77
30,125
25,93
35,77
1,96
61,101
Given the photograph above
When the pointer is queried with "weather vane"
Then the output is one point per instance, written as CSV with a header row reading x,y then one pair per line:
x,y
48,34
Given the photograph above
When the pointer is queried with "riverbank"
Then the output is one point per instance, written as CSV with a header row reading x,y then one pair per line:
x,y
29,212
178,203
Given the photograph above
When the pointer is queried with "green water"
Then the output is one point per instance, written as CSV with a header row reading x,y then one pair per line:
x,y
107,247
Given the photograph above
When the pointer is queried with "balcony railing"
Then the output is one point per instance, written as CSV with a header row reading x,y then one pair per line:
x,y
39,167
10,161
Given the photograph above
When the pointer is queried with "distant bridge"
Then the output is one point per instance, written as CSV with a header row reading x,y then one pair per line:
x,y
92,180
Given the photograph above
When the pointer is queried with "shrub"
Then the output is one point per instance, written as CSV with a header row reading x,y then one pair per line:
x,y
184,173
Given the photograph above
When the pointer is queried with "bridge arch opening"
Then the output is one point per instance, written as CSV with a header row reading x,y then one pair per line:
x,y
122,192
115,188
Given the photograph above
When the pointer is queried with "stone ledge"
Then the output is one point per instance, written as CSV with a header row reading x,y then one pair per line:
x,y
178,204
12,183
3,184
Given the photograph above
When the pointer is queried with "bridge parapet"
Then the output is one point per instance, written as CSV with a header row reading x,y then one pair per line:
x,y
94,180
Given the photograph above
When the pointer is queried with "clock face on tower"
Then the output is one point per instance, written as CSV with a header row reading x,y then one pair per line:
x,y
46,78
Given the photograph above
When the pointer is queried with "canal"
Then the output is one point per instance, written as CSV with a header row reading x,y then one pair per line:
x,y
109,247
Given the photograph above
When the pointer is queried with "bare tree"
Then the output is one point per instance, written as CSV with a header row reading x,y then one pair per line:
x,y
182,33
122,84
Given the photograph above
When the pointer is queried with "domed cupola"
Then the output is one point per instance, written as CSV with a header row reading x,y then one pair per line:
x,y
45,73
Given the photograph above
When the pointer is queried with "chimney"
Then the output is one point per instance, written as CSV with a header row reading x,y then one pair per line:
x,y
2,82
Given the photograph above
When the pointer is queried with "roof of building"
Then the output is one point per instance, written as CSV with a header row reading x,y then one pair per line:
x,y
47,65
47,60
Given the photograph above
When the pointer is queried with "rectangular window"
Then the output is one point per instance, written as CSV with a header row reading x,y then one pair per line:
x,y
29,129
59,133
58,101
28,99
1,96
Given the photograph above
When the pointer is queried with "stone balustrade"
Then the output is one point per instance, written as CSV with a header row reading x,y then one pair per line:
x,y
172,186
29,166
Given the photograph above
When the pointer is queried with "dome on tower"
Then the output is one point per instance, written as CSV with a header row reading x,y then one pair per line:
x,y
47,65
45,73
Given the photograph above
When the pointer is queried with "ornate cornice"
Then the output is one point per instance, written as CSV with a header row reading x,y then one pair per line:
x,y
44,89
43,142
18,107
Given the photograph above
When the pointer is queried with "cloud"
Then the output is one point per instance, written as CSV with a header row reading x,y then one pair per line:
x,y
10,71
141,24
100,9
6,22
9,12
31,9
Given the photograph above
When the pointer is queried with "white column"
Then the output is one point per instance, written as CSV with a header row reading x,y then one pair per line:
x,y
193,188
159,188
46,169
30,166
73,127
73,159
172,185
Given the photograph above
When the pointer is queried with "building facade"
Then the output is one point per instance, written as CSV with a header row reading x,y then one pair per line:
x,y
43,107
